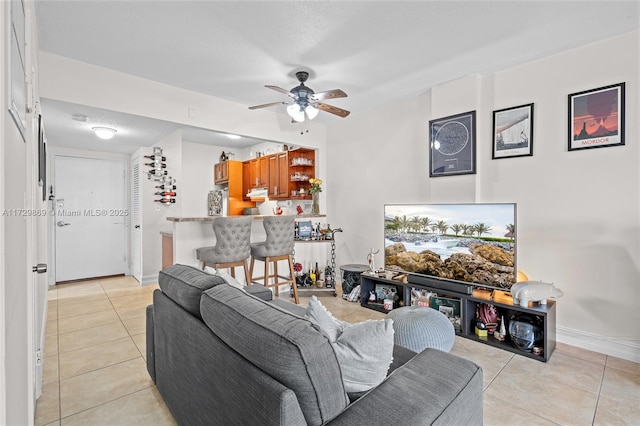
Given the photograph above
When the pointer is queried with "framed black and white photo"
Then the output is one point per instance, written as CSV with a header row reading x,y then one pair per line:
x,y
596,118
453,145
513,132
15,58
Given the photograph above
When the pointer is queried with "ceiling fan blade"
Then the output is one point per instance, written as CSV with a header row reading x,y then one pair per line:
x,y
333,110
267,105
281,90
329,94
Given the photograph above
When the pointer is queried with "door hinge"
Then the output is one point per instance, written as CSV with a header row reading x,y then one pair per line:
x,y
38,357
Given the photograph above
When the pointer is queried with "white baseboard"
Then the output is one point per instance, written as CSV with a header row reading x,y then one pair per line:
x,y
624,349
149,279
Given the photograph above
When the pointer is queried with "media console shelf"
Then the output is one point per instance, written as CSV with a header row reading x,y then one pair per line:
x,y
468,304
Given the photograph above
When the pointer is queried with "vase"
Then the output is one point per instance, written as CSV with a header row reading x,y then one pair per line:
x,y
315,207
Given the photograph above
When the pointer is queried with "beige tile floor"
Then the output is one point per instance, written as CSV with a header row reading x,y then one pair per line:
x,y
95,373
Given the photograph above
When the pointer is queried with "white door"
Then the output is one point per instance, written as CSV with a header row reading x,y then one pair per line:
x,y
17,321
136,221
91,217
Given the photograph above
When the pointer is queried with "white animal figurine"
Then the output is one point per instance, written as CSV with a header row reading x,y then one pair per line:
x,y
371,259
535,291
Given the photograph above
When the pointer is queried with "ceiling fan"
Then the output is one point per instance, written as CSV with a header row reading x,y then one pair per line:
x,y
306,102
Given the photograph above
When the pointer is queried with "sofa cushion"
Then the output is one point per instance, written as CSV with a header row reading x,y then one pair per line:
x,y
318,314
259,291
289,348
364,350
184,285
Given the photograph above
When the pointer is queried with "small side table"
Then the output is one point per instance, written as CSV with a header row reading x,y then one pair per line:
x,y
351,277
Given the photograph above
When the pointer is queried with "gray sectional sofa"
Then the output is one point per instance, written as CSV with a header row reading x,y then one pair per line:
x,y
220,355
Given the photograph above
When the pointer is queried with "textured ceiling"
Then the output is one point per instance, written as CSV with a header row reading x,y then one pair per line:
x,y
375,51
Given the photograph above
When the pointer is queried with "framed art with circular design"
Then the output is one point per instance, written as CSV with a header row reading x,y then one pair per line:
x,y
453,145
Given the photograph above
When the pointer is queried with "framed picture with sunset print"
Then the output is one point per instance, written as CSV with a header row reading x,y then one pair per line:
x,y
513,132
596,118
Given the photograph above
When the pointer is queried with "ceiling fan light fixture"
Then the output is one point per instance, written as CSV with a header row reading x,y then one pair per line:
x,y
311,111
105,133
296,112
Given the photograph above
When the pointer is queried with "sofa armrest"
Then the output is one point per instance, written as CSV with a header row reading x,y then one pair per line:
x,y
434,387
150,351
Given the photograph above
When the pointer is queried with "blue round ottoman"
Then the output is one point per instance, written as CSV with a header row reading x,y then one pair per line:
x,y
418,328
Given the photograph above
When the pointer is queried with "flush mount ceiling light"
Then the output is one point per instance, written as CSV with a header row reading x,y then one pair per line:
x,y
104,132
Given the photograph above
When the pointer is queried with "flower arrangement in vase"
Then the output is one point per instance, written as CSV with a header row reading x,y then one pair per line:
x,y
315,190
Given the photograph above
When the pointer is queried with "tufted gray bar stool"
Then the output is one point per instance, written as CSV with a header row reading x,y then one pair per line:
x,y
232,249
278,246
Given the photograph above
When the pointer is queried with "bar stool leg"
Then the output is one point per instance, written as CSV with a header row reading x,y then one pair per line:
x,y
275,276
247,277
293,284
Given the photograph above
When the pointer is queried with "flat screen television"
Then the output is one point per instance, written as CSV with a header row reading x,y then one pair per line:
x,y
452,246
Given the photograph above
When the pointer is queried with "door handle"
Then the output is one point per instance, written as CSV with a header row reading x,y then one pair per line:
x,y
137,226
61,223
40,268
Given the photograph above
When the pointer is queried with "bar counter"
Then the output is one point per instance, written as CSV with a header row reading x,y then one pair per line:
x,y
211,218
190,233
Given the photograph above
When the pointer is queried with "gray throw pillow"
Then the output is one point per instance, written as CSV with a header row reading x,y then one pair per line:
x,y
364,350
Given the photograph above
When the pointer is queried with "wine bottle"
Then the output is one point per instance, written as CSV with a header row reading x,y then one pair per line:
x,y
167,187
158,172
166,194
161,165
317,272
166,200
312,274
156,157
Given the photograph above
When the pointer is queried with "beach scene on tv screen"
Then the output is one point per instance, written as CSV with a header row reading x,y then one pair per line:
x,y
473,243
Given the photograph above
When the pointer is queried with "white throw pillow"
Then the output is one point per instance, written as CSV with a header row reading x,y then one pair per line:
x,y
318,314
229,279
364,350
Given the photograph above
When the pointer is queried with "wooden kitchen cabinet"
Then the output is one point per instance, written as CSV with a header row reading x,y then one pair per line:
x,y
259,172
246,179
221,173
234,183
284,174
301,168
278,175
263,172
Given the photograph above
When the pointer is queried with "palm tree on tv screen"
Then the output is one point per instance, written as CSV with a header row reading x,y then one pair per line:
x,y
457,228
480,228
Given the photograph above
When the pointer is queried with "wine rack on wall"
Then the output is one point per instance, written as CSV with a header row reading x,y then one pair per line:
x,y
165,184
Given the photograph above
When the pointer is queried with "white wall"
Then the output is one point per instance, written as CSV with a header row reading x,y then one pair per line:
x,y
197,176
154,215
578,212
